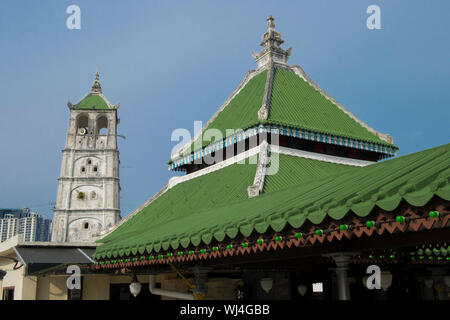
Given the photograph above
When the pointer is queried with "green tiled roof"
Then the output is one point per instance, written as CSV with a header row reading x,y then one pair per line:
x,y
294,171
92,100
415,179
293,103
296,103
207,192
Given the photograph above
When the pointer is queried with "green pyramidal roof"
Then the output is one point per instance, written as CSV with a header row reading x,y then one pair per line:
x,y
293,102
280,98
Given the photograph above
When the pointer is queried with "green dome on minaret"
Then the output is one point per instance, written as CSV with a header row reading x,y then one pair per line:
x,y
94,99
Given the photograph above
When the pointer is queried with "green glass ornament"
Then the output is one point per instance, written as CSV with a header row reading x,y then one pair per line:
x,y
433,214
370,224
400,219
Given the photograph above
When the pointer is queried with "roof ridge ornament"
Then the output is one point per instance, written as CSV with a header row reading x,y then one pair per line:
x,y
257,187
272,52
263,112
270,23
96,87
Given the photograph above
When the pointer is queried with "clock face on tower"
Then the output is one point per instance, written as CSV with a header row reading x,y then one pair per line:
x,y
82,131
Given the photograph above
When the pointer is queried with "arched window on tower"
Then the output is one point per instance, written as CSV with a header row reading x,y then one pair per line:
x,y
102,126
82,124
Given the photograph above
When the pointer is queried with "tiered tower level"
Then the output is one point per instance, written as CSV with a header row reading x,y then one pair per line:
x,y
281,99
87,202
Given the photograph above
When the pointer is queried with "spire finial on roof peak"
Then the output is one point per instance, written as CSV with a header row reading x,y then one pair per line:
x,y
96,87
270,23
271,41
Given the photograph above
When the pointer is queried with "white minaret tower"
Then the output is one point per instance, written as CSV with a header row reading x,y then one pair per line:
x,y
87,201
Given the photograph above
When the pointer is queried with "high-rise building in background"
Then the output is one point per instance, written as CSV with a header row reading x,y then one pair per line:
x,y
31,226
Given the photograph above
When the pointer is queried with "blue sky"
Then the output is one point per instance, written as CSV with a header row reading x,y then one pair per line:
x,y
170,62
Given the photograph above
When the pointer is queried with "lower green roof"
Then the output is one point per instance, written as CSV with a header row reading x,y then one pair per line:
x,y
415,178
295,170
207,192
